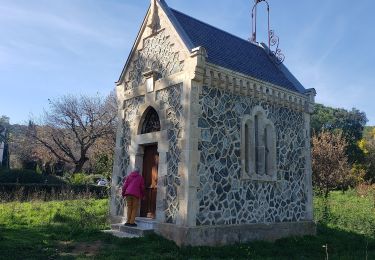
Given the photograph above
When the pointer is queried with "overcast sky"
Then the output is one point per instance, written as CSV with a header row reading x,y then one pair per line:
x,y
51,48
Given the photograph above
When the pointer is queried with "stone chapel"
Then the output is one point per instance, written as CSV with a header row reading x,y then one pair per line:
x,y
220,131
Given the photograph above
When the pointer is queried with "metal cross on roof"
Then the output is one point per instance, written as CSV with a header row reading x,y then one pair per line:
x,y
273,40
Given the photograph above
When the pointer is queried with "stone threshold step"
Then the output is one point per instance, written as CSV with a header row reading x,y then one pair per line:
x,y
139,231
146,223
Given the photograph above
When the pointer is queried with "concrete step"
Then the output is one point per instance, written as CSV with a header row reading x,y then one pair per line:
x,y
139,231
116,226
144,228
145,223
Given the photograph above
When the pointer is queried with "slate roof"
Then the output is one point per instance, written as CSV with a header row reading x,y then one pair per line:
x,y
231,52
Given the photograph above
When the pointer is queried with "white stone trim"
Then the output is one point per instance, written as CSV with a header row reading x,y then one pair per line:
x,y
308,170
241,84
264,122
250,162
160,84
146,32
136,152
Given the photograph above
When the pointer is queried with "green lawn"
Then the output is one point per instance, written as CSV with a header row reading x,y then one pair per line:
x,y
71,230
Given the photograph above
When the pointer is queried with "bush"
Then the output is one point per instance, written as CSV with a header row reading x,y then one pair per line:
x,y
84,179
103,165
356,176
364,190
79,178
329,161
27,176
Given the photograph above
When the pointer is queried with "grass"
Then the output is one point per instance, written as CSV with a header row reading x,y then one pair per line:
x,y
347,212
71,230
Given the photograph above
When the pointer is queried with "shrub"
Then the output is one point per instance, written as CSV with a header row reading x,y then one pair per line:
x,y
48,192
79,178
27,176
103,165
84,179
364,190
356,176
329,161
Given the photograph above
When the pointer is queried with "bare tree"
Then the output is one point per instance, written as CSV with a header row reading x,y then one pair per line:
x,y
4,123
4,141
329,161
72,125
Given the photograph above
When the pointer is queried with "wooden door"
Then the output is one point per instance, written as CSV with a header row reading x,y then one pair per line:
x,y
150,175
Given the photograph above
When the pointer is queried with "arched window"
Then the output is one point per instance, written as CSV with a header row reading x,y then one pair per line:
x,y
258,146
248,146
151,122
266,149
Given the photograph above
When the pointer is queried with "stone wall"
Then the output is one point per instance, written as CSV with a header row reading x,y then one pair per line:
x,y
224,197
170,99
170,107
131,110
158,55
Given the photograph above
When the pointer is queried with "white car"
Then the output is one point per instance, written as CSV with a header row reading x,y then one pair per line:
x,y
102,182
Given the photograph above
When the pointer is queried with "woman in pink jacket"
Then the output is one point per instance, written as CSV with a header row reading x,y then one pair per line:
x,y
133,190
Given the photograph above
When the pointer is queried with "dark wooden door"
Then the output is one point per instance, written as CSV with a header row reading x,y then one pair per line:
x,y
150,175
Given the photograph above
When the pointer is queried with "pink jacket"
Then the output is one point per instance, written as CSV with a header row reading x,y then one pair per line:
x,y
134,185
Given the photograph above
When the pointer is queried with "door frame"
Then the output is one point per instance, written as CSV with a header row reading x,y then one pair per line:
x,y
136,153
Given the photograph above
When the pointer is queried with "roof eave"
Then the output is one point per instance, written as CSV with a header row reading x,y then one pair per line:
x,y
185,38
299,87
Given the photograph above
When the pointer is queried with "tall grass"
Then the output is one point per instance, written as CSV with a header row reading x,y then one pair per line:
x,y
32,192
347,211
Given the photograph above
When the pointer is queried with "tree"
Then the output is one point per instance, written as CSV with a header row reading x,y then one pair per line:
x,y
370,160
102,152
22,148
72,125
351,123
329,161
28,153
4,141
367,144
4,124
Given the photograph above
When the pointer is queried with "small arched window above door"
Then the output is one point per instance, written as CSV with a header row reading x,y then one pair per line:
x,y
151,122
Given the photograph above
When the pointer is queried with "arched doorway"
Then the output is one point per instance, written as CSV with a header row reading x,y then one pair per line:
x,y
150,124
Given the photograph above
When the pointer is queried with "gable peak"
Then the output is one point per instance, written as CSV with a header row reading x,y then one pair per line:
x,y
154,24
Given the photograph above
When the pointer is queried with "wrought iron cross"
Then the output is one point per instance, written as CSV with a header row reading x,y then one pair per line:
x,y
273,40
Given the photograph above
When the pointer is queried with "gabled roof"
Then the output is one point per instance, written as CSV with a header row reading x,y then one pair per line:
x,y
231,52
